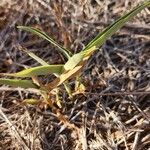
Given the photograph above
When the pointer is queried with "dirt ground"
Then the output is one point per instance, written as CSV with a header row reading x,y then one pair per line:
x,y
114,112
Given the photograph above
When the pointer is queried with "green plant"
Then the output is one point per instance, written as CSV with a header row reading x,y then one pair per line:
x,y
73,66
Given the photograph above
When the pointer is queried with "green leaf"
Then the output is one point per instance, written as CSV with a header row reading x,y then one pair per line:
x,y
35,57
110,30
18,83
43,35
36,71
73,61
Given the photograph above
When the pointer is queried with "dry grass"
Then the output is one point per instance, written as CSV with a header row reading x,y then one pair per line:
x,y
114,112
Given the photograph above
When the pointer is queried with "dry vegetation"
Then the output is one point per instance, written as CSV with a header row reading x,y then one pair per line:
x,y
114,111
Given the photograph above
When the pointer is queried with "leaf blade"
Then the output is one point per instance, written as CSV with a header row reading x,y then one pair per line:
x,y
36,71
111,29
19,83
43,35
32,55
